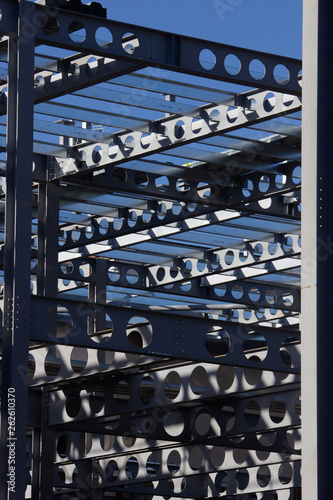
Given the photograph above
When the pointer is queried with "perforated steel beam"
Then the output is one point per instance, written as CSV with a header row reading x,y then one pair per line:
x,y
220,261
187,275
128,472
65,321
135,393
110,447
113,238
57,27
223,186
117,228
74,74
170,132
232,483
53,365
283,440
135,277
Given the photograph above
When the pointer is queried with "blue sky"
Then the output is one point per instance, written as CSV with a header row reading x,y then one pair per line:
x,y
268,25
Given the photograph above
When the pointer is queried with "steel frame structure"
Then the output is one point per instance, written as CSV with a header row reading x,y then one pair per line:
x,y
150,261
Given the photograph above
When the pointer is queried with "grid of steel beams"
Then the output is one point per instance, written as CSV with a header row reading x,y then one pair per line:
x,y
150,262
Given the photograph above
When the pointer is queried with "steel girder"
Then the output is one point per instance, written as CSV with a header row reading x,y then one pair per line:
x,y
168,132
52,365
67,321
131,276
222,189
52,25
72,75
244,479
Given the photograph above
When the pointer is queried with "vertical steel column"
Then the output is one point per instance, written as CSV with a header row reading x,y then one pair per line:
x,y
36,459
97,295
17,250
47,285
47,445
317,250
48,229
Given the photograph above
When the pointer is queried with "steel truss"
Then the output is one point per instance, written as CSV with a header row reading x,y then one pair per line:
x,y
150,262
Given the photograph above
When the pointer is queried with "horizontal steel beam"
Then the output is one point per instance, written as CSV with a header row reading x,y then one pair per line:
x,y
119,232
254,294
172,386
115,228
163,335
171,132
161,461
221,261
182,281
135,44
74,74
168,469
49,365
54,365
173,425
258,480
218,270
156,462
223,187
57,27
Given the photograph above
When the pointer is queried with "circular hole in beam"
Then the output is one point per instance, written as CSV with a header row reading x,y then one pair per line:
x,y
77,32
281,74
103,37
217,341
232,64
207,59
139,332
130,43
257,69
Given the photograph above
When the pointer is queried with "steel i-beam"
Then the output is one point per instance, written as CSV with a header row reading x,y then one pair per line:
x,y
17,258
